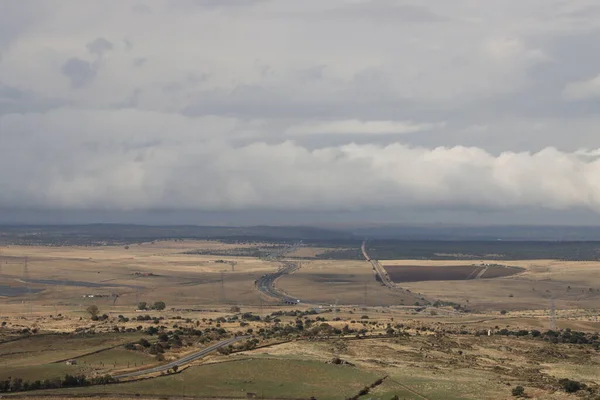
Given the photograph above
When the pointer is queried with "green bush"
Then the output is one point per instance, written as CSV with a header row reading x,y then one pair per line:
x,y
518,391
570,386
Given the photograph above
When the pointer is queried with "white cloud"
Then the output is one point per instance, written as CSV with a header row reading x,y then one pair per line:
x,y
353,126
583,90
100,109
588,153
112,160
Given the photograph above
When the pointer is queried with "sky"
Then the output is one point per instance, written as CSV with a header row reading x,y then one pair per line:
x,y
316,111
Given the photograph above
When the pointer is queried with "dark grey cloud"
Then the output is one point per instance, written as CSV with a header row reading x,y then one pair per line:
x,y
141,8
140,61
20,101
78,71
211,4
389,11
99,46
10,93
16,17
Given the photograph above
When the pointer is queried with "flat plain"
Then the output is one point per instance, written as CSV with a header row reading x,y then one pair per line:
x,y
450,329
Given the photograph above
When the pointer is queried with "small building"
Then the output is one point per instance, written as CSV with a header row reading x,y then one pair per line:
x,y
71,362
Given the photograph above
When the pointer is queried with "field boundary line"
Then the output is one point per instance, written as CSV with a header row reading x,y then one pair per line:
x,y
403,386
482,272
91,353
26,337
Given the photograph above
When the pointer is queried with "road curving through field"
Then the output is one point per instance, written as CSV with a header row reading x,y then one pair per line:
x,y
184,360
266,283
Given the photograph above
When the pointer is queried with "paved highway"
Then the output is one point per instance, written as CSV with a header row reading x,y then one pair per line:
x,y
378,268
266,283
184,360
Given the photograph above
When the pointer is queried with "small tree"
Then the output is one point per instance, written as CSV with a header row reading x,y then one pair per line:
x,y
235,309
142,305
163,337
93,311
175,368
518,391
159,305
571,386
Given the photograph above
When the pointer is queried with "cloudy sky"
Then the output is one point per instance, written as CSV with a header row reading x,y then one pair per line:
x,y
250,111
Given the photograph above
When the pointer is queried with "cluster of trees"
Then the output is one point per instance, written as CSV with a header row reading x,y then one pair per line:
x,y
568,385
94,312
562,336
158,305
312,328
294,313
456,306
146,317
248,345
248,316
165,342
18,384
168,339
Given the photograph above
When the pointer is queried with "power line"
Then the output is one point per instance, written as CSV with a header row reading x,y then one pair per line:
x,y
223,298
552,314
335,306
26,280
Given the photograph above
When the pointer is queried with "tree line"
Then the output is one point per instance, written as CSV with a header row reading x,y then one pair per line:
x,y
18,385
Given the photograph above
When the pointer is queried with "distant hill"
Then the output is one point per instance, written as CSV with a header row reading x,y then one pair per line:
x,y
94,234
117,233
508,232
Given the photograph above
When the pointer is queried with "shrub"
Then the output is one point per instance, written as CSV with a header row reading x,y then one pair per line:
x,y
93,310
518,391
570,386
163,337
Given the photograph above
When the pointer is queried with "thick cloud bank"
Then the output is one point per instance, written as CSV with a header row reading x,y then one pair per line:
x,y
123,160
331,105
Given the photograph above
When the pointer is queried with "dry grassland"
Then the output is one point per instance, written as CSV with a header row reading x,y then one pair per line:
x,y
147,272
423,366
456,367
308,252
344,282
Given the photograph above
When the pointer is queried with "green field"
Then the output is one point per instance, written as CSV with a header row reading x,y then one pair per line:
x,y
37,372
117,359
271,378
37,357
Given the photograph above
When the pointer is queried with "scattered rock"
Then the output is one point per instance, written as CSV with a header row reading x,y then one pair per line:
x,y
339,361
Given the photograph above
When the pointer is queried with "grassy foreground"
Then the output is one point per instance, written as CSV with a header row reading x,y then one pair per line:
x,y
271,378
